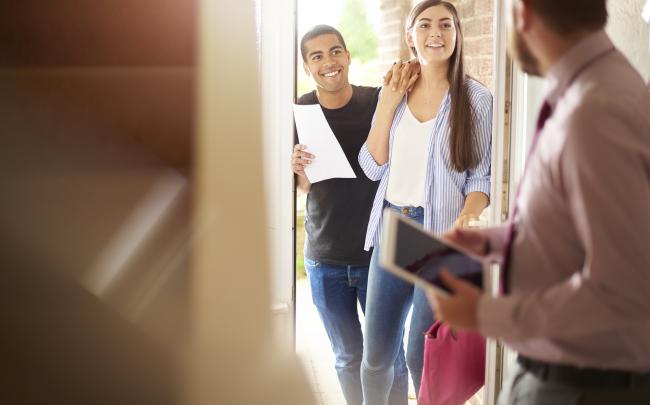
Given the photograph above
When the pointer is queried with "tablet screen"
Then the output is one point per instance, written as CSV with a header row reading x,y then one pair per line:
x,y
424,256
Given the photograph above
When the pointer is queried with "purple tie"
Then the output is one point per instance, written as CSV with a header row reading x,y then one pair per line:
x,y
544,115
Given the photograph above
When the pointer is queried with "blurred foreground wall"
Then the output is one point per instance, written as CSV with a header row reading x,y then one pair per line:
x,y
133,262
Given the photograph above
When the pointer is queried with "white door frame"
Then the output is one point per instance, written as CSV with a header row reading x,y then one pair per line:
x,y
276,42
499,174
517,100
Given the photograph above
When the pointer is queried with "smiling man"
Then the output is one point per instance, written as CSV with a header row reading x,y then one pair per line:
x,y
338,210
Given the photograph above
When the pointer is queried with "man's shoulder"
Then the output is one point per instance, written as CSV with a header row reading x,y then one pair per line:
x,y
605,110
366,93
308,98
612,88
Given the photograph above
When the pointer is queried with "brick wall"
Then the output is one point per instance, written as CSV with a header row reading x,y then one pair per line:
x,y
391,35
476,18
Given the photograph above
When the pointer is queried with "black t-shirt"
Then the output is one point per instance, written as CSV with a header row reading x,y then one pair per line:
x,y
338,209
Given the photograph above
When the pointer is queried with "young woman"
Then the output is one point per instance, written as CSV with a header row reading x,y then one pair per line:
x,y
430,149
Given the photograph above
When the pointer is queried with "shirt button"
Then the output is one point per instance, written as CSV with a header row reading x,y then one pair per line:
x,y
405,210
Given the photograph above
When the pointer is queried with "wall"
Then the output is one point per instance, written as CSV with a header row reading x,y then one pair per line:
x,y
630,33
477,22
391,34
477,18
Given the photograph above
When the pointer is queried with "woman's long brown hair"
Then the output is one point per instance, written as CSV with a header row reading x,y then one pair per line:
x,y
462,142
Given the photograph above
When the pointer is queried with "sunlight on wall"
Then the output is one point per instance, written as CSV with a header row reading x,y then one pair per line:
x,y
312,13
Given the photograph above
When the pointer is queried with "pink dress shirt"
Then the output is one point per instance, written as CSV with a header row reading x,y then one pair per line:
x,y
580,261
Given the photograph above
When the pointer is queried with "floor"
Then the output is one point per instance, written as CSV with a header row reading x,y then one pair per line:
x,y
316,355
315,352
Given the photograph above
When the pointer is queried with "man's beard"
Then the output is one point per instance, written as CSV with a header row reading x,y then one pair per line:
x,y
521,52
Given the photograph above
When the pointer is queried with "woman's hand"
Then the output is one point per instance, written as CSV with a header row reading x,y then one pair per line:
x,y
475,203
463,220
475,241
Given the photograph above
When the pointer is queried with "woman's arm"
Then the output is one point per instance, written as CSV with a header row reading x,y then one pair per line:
x,y
477,185
475,203
402,77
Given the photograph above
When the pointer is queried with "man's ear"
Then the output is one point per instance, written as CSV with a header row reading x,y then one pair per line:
x,y
304,66
523,15
349,57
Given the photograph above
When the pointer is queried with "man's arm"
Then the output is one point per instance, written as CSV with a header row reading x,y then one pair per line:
x,y
488,244
608,206
302,184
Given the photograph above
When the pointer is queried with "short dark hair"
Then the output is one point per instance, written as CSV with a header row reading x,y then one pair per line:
x,y
569,16
317,31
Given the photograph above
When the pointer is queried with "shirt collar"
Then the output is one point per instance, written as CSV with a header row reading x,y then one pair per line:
x,y
562,73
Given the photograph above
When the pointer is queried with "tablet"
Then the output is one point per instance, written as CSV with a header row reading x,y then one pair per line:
x,y
418,256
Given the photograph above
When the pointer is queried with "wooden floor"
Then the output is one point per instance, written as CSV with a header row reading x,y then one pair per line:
x,y
316,355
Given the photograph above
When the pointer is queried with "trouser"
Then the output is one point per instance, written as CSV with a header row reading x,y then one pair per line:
x,y
525,387
335,291
388,304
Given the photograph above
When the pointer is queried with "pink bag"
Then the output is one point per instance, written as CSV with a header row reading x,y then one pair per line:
x,y
454,366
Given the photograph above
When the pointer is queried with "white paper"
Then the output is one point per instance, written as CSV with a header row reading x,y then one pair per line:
x,y
314,132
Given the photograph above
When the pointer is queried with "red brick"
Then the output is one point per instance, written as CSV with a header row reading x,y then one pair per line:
x,y
478,46
478,26
484,6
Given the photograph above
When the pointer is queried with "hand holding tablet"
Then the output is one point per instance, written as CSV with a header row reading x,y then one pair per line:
x,y
418,256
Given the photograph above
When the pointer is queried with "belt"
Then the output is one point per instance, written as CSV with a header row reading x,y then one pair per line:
x,y
583,377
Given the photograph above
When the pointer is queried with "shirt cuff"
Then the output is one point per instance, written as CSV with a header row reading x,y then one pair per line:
x,y
368,164
478,185
497,236
496,316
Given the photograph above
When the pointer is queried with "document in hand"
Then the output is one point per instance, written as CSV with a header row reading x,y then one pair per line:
x,y
315,132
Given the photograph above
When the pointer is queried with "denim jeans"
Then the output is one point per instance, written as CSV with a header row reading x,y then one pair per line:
x,y
387,306
335,291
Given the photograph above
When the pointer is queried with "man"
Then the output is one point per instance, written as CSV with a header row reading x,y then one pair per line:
x,y
338,210
576,257
646,17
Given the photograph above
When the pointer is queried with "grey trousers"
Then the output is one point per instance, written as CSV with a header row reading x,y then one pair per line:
x,y
522,387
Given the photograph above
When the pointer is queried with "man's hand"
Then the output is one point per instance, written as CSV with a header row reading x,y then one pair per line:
x,y
460,309
401,77
474,241
414,70
300,159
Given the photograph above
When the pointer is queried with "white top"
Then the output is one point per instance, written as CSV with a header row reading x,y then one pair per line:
x,y
408,161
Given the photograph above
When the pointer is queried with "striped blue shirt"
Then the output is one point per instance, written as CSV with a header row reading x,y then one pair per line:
x,y
446,188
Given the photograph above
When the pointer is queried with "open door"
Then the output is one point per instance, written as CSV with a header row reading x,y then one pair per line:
x,y
277,55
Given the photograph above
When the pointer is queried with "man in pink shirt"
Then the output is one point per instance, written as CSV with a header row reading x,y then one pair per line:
x,y
576,252
646,17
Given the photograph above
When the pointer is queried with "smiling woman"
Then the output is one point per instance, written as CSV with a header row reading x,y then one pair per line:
x,y
430,149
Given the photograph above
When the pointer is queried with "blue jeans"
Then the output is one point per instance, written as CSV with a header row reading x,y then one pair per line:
x,y
335,291
387,306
